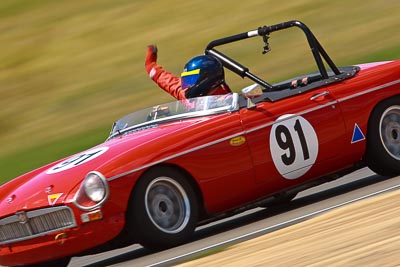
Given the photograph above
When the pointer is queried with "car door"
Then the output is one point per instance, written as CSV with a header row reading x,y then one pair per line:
x,y
294,139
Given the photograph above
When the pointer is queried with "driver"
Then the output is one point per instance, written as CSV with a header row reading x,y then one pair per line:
x,y
202,75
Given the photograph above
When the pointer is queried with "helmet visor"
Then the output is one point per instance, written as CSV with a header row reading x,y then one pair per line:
x,y
190,78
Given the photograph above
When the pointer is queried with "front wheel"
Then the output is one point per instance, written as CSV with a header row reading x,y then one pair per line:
x,y
383,138
163,210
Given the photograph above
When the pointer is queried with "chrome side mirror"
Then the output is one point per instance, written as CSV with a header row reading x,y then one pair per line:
x,y
251,92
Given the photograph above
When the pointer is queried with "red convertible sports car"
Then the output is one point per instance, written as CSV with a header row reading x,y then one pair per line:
x,y
167,169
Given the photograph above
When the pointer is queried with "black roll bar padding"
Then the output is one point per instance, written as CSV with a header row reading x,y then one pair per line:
x,y
328,60
316,48
238,68
229,63
226,40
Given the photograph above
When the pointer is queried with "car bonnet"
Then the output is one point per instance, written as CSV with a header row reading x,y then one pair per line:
x,y
52,185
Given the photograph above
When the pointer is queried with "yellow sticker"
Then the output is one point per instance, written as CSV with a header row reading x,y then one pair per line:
x,y
53,198
191,72
237,141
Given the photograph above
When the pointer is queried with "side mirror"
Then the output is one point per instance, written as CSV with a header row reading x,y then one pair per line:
x,y
251,92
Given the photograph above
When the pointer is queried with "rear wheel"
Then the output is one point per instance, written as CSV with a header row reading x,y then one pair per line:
x,y
383,138
163,210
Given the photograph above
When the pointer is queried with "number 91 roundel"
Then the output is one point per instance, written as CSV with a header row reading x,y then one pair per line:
x,y
294,146
77,160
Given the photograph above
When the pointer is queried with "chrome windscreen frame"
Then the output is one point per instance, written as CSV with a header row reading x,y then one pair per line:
x,y
208,112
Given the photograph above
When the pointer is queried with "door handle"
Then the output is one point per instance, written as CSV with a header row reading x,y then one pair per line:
x,y
314,97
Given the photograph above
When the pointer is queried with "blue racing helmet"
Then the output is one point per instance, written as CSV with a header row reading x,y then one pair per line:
x,y
201,74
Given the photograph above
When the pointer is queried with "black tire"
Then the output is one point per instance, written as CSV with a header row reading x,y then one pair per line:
x,y
63,262
163,210
383,138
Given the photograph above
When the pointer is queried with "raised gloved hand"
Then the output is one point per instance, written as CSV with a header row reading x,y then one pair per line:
x,y
151,57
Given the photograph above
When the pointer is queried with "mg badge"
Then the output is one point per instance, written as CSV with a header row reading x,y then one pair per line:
x,y
10,199
22,217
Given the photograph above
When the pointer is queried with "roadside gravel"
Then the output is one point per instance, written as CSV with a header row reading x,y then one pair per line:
x,y
366,233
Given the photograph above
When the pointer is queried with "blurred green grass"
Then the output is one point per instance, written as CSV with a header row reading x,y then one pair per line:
x,y
68,69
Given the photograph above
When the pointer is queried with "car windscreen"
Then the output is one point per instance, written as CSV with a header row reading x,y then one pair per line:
x,y
178,110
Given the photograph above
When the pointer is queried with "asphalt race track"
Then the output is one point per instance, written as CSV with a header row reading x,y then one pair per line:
x,y
353,187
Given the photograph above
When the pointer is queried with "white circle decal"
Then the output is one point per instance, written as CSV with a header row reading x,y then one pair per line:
x,y
294,145
77,160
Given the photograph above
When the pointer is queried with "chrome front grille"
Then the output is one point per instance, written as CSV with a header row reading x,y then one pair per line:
x,y
27,225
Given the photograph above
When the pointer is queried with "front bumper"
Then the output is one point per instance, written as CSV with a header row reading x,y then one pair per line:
x,y
62,243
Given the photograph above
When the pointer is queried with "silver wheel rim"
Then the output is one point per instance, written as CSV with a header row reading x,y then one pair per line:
x,y
390,131
167,205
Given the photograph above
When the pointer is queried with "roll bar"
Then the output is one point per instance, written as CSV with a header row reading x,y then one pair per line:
x,y
317,50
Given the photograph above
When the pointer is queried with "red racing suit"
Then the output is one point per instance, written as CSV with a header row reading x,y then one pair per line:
x,y
167,81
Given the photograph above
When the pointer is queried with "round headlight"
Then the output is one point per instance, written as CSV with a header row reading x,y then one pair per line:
x,y
95,186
